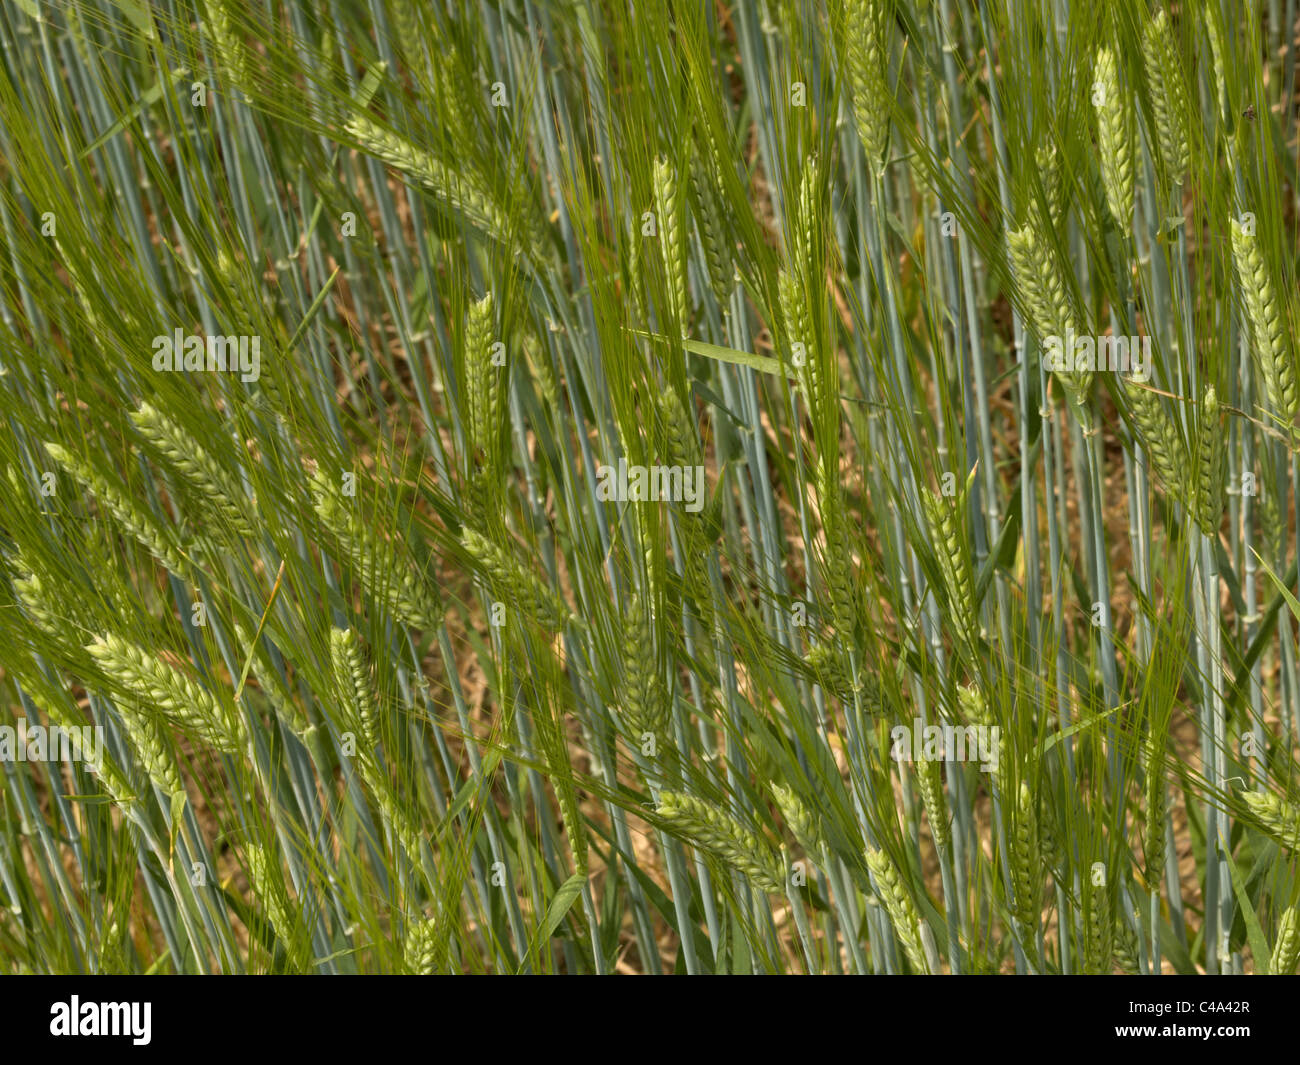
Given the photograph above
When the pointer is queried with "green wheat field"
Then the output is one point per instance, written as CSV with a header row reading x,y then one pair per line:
x,y
545,486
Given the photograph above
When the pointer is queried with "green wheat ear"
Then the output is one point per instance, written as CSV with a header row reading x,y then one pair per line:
x,y
387,575
1025,856
802,821
1098,931
1158,434
954,562
1278,818
708,827
644,701
1264,312
866,26
267,882
461,192
421,949
512,582
1286,948
1210,460
900,907
352,678
190,459
1041,284
157,539
1169,97
672,243
151,683
1115,138
929,782
1153,837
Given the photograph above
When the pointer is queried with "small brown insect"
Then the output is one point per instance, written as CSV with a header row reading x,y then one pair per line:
x,y
1249,113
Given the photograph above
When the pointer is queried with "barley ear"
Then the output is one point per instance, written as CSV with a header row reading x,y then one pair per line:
x,y
1040,281
1275,816
150,744
1210,460
191,460
158,539
1126,946
230,52
800,344
267,882
1098,930
708,215
1047,162
420,952
1024,859
483,411
1157,433
973,705
899,906
829,666
360,712
950,549
1115,138
672,245
929,782
387,575
803,822
149,683
482,380
1286,948
514,583
867,26
644,700
1264,313
717,832
462,192
1153,838
1169,97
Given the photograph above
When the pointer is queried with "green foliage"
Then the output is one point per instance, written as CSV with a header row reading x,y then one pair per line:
x,y
386,679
